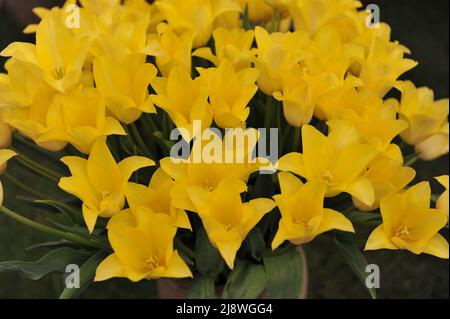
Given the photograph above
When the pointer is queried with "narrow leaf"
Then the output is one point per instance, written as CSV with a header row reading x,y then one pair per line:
x,y
246,281
355,260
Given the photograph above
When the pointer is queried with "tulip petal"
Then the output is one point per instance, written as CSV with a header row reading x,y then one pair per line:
x,y
334,220
437,246
90,217
289,184
177,268
363,190
379,240
109,268
131,164
292,162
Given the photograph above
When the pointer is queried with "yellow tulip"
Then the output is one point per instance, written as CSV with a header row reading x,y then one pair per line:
x,y
195,15
5,155
143,249
376,123
434,146
340,168
226,218
258,10
25,100
303,216
125,84
230,93
79,119
59,53
278,53
171,50
387,176
409,223
443,201
99,182
233,45
197,171
385,58
155,199
427,119
184,99
5,134
311,15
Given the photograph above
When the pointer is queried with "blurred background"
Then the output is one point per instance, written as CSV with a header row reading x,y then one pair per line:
x,y
421,25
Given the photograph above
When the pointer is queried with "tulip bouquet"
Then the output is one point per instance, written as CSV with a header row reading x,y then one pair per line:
x,y
151,124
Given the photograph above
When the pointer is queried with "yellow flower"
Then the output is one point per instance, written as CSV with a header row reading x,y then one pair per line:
x,y
383,65
171,50
230,93
208,174
340,168
184,99
233,45
226,218
409,223
376,123
387,176
143,249
79,119
125,84
5,155
278,53
25,100
303,216
442,202
258,10
59,53
296,95
311,15
155,199
427,119
195,15
5,134
434,146
99,182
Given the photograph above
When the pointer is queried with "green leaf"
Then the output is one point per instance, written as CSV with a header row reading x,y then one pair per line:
x,y
246,281
284,275
54,261
73,214
364,218
246,20
256,244
207,258
202,287
355,260
87,273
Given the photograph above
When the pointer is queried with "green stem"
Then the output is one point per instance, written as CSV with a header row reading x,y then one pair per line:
x,y
37,168
65,235
276,19
24,187
411,159
140,142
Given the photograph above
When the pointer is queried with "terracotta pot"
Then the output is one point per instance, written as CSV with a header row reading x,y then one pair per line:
x,y
175,289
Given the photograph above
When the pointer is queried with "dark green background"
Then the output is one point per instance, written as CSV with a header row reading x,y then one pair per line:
x,y
422,25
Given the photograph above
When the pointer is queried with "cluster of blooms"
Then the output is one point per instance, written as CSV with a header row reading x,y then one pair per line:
x,y
318,58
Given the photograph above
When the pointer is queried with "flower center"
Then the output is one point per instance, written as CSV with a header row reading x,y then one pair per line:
x,y
151,262
403,233
328,177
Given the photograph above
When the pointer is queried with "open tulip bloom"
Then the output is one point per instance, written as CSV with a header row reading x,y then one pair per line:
x,y
207,141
